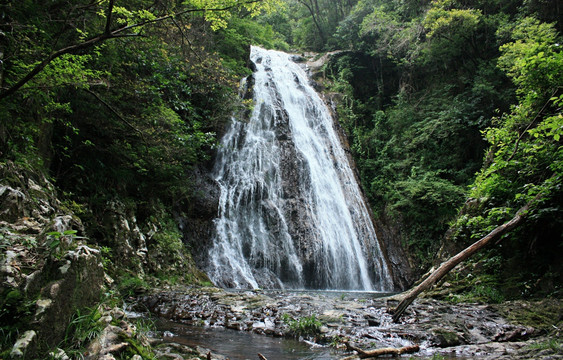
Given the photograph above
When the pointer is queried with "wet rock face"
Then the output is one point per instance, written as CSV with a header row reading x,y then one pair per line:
x,y
296,206
195,215
463,330
403,272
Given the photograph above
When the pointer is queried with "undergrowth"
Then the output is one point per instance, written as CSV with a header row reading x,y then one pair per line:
x,y
307,326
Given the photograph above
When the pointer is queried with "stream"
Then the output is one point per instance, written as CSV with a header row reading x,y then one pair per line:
x,y
237,345
241,324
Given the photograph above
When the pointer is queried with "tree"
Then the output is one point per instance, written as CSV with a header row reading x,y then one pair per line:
x,y
524,164
130,22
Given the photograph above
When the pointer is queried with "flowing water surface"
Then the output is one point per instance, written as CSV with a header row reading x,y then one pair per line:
x,y
237,345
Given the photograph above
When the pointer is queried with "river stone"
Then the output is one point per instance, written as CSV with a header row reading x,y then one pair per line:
x,y
11,204
59,354
465,330
23,344
444,338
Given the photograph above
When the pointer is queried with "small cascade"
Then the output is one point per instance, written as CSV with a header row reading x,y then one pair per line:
x,y
291,213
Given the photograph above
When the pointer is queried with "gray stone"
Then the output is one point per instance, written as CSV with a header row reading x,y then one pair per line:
x,y
22,345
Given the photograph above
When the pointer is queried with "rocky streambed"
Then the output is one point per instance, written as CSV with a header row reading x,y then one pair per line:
x,y
330,319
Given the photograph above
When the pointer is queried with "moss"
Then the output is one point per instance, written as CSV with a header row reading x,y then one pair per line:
x,y
136,348
16,311
555,345
461,286
444,338
130,285
542,315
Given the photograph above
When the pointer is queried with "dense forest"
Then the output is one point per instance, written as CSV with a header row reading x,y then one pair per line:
x,y
453,110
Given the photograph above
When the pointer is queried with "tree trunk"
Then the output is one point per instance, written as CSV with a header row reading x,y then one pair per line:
x,y
365,354
448,265
315,17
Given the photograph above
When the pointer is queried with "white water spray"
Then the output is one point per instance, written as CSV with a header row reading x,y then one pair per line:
x,y
291,213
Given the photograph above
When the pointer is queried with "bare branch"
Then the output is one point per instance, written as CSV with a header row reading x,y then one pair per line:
x,y
185,37
108,17
116,113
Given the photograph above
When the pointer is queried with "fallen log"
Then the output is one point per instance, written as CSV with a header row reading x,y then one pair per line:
x,y
448,265
366,354
261,357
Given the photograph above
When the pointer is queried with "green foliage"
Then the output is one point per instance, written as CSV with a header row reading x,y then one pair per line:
x,y
131,285
56,238
219,19
234,42
130,116
315,22
427,98
442,22
533,59
106,257
16,312
307,326
524,164
481,293
89,324
551,344
84,327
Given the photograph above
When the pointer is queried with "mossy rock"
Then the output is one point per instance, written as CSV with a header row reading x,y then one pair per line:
x,y
445,338
542,315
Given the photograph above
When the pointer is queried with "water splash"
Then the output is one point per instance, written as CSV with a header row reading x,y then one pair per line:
x,y
291,213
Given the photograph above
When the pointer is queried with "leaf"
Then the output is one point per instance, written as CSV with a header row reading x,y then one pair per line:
x,y
54,244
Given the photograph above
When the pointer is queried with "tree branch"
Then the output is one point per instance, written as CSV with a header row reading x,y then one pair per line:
x,y
366,354
452,262
117,114
530,124
185,37
39,67
109,11
107,34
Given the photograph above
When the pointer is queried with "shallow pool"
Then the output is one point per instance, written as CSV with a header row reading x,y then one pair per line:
x,y
238,345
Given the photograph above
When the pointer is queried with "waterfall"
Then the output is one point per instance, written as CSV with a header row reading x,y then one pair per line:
x,y
291,214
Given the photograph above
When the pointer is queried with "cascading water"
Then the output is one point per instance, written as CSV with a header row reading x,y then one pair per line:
x,y
291,213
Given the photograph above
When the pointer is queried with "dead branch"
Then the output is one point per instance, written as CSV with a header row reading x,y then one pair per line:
x,y
458,258
366,354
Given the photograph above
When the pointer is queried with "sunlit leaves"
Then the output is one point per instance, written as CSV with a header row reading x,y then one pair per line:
x,y
127,16
533,59
525,161
218,12
442,22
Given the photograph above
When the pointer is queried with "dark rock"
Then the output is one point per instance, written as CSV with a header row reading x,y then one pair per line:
x,y
372,321
444,338
195,215
297,58
11,204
